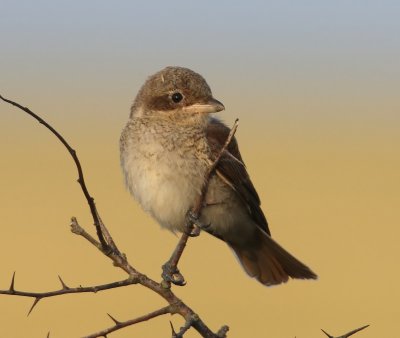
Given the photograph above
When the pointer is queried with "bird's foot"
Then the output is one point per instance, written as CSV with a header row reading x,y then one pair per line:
x,y
172,275
194,226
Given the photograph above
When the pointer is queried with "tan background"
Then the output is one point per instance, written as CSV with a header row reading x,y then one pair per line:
x,y
316,88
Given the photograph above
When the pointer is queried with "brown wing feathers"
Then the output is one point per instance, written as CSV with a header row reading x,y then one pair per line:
x,y
233,171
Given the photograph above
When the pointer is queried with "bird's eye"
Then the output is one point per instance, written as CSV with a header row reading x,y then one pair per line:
x,y
177,97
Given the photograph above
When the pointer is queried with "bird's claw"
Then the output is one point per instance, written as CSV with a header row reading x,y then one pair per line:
x,y
194,225
172,275
170,272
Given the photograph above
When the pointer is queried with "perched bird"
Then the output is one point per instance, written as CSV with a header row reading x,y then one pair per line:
x,y
166,147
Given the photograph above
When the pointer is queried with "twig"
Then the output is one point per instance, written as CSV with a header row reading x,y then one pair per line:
x,y
348,334
183,329
171,272
64,290
81,179
119,325
107,246
176,305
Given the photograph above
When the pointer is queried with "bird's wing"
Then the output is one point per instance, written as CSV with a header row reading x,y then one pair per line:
x,y
232,170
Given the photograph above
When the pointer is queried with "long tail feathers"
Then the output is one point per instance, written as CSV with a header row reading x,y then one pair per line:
x,y
271,264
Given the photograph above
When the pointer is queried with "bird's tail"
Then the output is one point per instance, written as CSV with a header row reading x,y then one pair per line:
x,y
269,263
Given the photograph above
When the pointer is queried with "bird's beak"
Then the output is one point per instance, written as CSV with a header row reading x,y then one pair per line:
x,y
212,106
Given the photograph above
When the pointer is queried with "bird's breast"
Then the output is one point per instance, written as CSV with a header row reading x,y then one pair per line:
x,y
164,170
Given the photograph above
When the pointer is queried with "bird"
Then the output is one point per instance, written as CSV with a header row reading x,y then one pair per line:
x,y
171,138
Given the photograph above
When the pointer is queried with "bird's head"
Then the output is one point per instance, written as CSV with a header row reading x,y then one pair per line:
x,y
175,92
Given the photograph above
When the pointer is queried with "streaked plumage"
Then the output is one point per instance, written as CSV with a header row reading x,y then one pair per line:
x,y
168,143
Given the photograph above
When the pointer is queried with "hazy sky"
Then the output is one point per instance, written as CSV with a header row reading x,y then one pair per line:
x,y
314,50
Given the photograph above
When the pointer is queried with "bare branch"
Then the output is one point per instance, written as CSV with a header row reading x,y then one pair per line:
x,y
107,246
164,291
118,258
223,331
348,334
65,290
183,329
72,152
199,205
119,325
78,230
170,269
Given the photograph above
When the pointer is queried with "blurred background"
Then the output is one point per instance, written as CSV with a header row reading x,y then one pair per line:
x,y
315,85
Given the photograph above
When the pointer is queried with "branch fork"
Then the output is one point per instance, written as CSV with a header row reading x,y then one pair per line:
x,y
106,245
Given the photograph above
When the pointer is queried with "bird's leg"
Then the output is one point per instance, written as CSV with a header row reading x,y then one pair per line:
x,y
170,269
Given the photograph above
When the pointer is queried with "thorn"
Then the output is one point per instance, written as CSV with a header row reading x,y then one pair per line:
x,y
172,330
355,331
348,334
34,304
117,322
327,333
64,286
11,289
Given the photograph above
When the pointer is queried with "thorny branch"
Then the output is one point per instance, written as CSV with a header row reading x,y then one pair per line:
x,y
64,290
108,247
119,325
81,179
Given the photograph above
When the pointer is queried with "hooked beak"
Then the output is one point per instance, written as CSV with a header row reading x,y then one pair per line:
x,y
212,106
